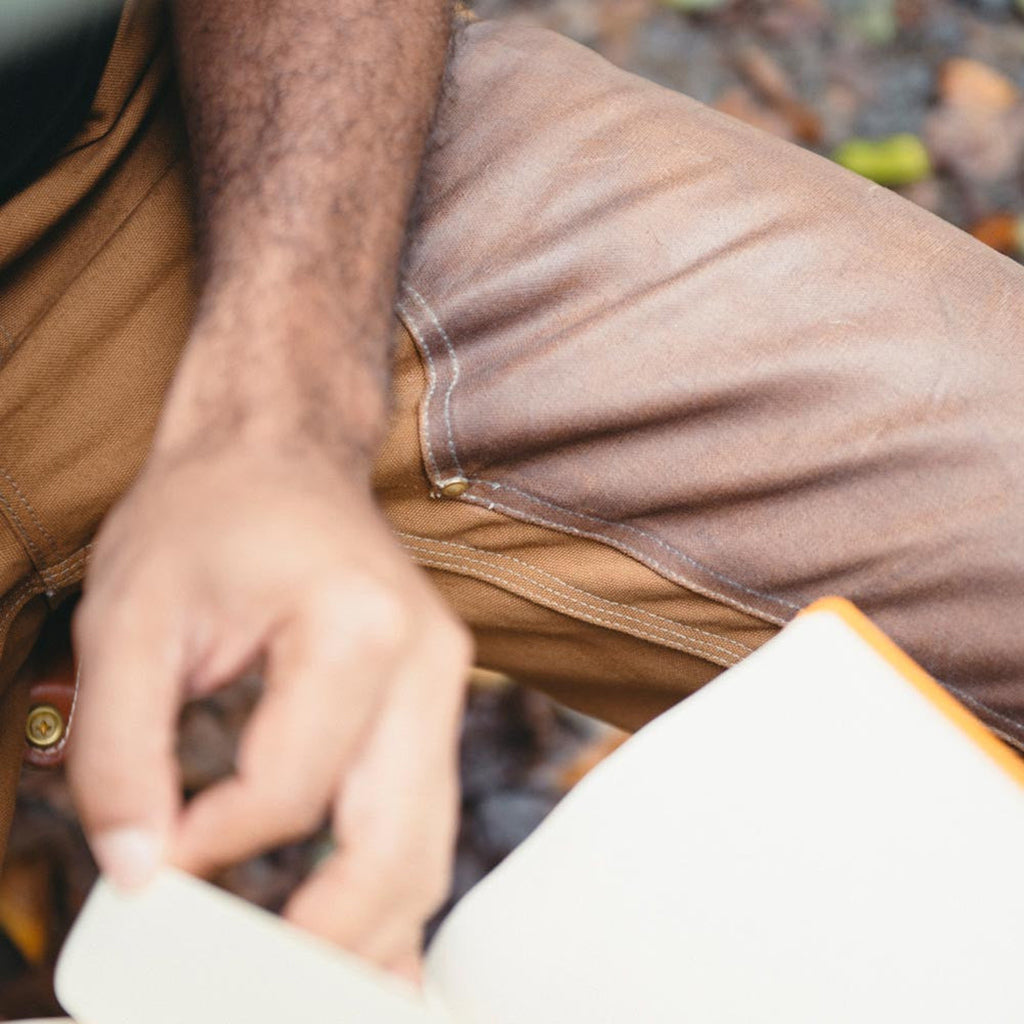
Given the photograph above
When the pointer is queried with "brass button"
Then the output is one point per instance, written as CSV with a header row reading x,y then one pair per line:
x,y
455,488
44,727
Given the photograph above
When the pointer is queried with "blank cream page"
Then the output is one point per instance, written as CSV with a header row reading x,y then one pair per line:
x,y
809,839
183,952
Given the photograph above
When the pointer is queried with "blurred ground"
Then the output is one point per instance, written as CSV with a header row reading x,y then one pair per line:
x,y
929,92
923,95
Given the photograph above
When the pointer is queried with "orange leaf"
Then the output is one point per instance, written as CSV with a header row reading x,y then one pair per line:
x,y
1002,231
25,907
969,83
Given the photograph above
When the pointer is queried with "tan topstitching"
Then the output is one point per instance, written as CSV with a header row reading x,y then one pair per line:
x,y
423,345
598,610
567,590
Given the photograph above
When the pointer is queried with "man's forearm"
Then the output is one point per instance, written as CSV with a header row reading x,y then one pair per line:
x,y
307,120
252,536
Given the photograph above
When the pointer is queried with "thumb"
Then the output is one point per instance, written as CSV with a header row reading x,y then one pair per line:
x,y
121,757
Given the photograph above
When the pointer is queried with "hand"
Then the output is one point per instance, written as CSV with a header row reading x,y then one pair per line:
x,y
217,562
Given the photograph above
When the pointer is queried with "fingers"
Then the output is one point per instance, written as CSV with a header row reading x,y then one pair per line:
x,y
121,762
395,820
364,684
326,675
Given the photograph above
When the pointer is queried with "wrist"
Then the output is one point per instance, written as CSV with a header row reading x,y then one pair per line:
x,y
294,388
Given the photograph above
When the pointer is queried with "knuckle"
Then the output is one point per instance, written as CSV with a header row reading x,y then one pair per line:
x,y
371,611
381,613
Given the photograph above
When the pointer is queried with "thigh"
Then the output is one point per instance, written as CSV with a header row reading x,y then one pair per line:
x,y
681,379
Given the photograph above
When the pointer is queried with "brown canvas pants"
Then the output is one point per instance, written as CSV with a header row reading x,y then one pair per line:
x,y
661,380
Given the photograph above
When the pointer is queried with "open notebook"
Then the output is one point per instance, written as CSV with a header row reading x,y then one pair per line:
x,y
820,835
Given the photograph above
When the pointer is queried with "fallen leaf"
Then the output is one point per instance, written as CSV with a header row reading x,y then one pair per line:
x,y
26,907
969,83
1002,231
590,757
893,161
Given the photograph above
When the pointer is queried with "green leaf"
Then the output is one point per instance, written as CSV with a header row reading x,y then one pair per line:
x,y
893,161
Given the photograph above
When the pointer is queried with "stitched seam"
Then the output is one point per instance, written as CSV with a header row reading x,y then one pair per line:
x,y
643,533
14,603
446,405
431,387
56,579
30,587
633,613
638,614
968,699
38,556
28,506
56,582
683,643
1013,742
671,574
601,616
456,370
59,576
678,634
455,564
668,572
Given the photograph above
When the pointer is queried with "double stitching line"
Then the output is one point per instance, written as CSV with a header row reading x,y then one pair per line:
x,y
989,713
669,573
17,598
493,558
446,404
37,555
59,575
28,507
410,323
599,534
40,556
563,597
494,485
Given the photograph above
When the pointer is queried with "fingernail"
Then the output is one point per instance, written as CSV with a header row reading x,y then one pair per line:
x,y
129,857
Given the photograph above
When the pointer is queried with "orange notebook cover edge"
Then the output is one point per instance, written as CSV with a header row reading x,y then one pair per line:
x,y
931,690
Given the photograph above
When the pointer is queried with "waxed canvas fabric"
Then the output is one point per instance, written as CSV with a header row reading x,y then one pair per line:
x,y
96,295
685,378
